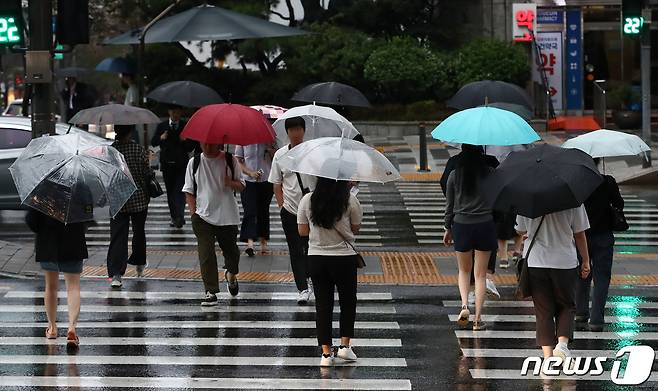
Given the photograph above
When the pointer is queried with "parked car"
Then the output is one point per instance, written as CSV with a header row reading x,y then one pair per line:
x,y
15,134
15,108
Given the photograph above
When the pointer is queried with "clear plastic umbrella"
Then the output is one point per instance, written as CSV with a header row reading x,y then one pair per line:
x,y
115,114
66,176
320,122
341,159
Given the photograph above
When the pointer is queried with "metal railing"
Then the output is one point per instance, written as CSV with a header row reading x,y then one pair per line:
x,y
599,102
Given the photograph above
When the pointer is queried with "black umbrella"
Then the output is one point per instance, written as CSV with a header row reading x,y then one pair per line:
x,y
76,72
519,110
487,91
542,180
206,23
332,93
186,94
116,65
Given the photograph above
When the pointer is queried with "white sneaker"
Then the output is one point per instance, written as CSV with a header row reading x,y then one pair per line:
x,y
492,292
326,360
140,270
116,282
346,353
303,296
471,298
561,350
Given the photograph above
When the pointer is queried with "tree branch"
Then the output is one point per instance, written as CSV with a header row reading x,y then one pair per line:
x,y
291,12
280,15
190,56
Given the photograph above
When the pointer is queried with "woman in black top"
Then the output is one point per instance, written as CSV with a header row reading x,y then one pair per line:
x,y
600,242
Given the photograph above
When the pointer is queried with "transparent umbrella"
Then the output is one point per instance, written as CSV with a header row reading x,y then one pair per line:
x,y
66,176
341,159
320,122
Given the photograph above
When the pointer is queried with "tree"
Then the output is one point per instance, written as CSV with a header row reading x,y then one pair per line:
x,y
485,59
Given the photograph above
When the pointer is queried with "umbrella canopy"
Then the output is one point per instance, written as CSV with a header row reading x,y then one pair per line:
x,y
331,93
66,176
489,91
270,111
185,93
542,180
116,65
206,23
228,123
608,143
76,72
485,126
340,158
519,110
114,114
320,122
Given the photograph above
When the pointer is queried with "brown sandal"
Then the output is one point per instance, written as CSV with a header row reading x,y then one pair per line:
x,y
50,335
72,340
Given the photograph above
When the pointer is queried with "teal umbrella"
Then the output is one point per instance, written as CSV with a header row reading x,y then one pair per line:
x,y
485,126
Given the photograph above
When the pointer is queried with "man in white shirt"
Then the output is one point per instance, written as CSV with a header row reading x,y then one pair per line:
x,y
210,182
289,188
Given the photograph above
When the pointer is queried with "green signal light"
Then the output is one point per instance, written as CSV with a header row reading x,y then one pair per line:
x,y
9,33
633,25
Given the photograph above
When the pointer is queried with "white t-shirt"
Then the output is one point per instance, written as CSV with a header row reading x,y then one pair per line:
x,y
292,193
254,158
555,246
322,241
215,203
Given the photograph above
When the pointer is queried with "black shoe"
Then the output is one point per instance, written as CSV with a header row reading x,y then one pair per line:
x,y
250,252
582,318
172,224
597,328
209,300
233,286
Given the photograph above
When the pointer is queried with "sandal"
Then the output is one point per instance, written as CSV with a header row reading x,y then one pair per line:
x,y
479,325
50,335
250,252
72,340
464,314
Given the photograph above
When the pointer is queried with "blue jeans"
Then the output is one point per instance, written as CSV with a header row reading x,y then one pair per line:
x,y
600,246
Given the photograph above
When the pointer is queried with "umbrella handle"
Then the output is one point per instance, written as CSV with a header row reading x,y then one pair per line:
x,y
69,131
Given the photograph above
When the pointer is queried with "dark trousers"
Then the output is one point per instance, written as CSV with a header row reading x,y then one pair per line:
x,y
117,253
256,199
174,179
226,237
328,272
600,246
553,294
297,247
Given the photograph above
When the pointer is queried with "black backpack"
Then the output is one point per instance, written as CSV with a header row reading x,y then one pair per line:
x,y
197,160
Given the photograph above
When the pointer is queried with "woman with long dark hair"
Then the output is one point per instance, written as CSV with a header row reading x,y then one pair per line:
x,y
469,223
331,217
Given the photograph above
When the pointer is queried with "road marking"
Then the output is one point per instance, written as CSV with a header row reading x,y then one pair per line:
x,y
531,319
529,304
521,334
515,374
525,353
209,383
176,308
187,295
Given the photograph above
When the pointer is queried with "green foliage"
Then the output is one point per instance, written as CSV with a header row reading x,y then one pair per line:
x,y
620,96
404,70
485,59
426,110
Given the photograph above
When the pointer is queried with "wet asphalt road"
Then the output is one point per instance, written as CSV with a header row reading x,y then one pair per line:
x,y
264,340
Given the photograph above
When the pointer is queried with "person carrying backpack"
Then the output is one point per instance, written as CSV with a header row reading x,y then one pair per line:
x,y
211,180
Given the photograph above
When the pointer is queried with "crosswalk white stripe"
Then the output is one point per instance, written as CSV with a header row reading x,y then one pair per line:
x,y
192,236
171,232
176,308
196,341
515,374
524,353
529,304
521,334
155,243
638,243
196,360
151,295
531,319
209,383
205,324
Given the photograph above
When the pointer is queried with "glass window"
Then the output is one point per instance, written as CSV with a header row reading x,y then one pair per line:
x,y
14,138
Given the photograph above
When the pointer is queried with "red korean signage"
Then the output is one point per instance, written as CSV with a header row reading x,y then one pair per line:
x,y
524,22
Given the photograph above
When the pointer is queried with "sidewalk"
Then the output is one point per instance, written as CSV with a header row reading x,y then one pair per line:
x,y
385,267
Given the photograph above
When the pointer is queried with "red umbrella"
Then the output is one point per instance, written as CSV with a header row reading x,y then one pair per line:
x,y
228,123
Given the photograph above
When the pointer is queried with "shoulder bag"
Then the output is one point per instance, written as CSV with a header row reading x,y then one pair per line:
x,y
154,188
360,262
523,289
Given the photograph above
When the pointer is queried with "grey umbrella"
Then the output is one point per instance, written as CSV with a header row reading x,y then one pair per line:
x,y
116,65
185,93
331,93
489,91
115,114
206,23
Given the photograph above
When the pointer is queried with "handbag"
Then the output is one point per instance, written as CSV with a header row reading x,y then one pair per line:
x,y
619,223
523,289
154,188
360,262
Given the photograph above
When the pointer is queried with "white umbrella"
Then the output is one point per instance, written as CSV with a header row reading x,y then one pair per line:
x,y
320,122
608,143
341,159
115,114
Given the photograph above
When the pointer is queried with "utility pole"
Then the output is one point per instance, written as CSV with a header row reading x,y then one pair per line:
x,y
645,65
40,13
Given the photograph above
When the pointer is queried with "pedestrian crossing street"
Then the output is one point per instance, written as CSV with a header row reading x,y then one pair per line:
x,y
166,340
498,352
159,234
425,204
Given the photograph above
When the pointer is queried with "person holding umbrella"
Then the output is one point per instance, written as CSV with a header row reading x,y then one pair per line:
x,y
173,161
76,96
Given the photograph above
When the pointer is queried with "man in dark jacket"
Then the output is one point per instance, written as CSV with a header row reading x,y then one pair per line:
x,y
173,161
76,96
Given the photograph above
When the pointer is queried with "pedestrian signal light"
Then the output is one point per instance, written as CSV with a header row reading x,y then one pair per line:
x,y
633,25
632,20
11,18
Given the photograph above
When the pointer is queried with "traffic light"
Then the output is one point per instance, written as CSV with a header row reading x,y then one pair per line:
x,y
72,22
632,20
11,22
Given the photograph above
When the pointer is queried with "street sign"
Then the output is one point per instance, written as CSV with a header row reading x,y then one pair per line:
x,y
11,26
574,53
550,61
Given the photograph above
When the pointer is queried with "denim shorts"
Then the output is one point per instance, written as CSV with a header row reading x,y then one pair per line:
x,y
64,267
478,236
